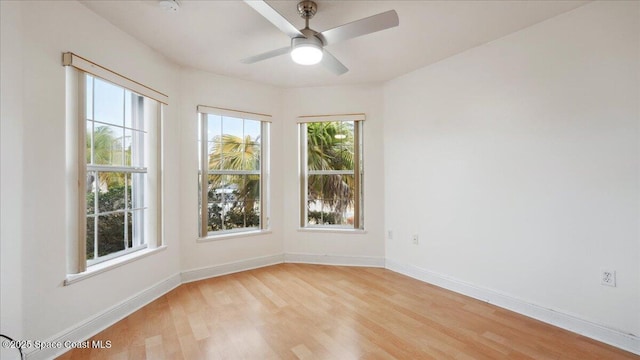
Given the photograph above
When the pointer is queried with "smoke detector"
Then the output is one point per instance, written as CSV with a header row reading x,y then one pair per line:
x,y
169,5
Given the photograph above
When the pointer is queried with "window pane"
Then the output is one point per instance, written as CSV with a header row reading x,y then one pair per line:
x,y
215,188
129,216
107,145
253,213
110,233
252,131
215,155
108,103
234,217
251,156
217,201
90,191
232,153
111,191
89,141
214,128
338,199
90,237
214,218
251,188
232,126
231,188
330,146
127,141
315,187
316,213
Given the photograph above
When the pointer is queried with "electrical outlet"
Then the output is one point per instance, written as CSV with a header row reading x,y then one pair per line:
x,y
608,277
415,239
390,235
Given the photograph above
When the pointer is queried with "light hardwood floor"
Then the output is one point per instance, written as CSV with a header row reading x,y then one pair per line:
x,y
291,311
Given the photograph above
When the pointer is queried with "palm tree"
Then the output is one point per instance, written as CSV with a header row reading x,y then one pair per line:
x,y
330,147
105,148
232,152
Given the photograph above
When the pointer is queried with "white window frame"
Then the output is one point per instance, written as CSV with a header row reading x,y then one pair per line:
x,y
203,157
357,172
77,68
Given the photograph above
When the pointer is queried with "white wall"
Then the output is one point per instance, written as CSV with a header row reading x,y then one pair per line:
x,y
33,135
517,163
335,100
201,88
11,168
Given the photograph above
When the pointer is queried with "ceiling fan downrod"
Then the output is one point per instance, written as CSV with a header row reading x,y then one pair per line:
x,y
307,9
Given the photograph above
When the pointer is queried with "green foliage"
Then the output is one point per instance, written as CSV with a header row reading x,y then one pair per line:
x,y
110,227
235,214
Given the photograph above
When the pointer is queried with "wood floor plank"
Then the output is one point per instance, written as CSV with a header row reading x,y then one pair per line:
x,y
301,311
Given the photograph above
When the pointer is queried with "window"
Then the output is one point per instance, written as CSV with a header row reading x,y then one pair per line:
x,y
118,151
116,170
233,158
331,168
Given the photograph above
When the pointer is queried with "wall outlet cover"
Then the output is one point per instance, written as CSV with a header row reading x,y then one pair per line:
x,y
608,277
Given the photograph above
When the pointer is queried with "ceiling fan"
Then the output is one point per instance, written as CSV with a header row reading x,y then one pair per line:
x,y
307,45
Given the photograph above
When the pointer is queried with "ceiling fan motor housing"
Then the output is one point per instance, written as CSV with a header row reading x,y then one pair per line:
x,y
307,9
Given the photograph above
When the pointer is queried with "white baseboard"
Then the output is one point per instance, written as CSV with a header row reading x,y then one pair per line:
x,y
601,333
107,318
229,268
346,260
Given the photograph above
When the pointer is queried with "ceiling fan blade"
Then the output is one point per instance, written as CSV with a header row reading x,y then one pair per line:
x,y
266,55
371,24
274,17
332,64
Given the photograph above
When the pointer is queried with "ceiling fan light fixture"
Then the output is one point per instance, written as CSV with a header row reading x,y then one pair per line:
x,y
306,54
306,51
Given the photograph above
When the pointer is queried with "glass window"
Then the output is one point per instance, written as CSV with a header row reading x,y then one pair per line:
x,y
232,153
116,172
331,155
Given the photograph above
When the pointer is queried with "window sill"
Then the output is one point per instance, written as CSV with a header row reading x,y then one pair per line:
x,y
110,264
332,230
233,235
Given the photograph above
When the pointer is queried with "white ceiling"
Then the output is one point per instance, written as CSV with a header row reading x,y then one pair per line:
x,y
215,35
